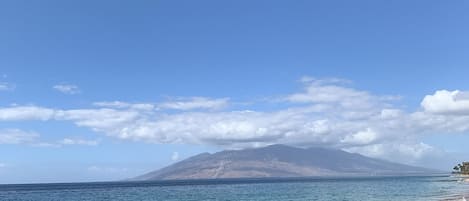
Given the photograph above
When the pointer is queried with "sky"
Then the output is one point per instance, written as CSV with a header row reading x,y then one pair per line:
x,y
108,90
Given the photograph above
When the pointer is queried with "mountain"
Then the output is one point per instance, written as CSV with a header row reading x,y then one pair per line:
x,y
279,161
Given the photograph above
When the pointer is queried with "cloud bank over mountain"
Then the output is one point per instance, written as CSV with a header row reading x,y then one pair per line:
x,y
326,112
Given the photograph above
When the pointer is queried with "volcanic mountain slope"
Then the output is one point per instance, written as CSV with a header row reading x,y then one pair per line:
x,y
279,161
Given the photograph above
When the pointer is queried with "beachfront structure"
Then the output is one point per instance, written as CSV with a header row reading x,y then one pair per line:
x,y
464,168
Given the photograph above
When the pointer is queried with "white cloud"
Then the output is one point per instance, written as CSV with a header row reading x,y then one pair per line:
x,y
462,95
195,103
391,113
25,113
119,104
67,88
75,141
64,142
109,120
361,138
16,136
324,81
327,113
402,152
113,104
447,102
6,86
175,156
336,93
329,94
237,128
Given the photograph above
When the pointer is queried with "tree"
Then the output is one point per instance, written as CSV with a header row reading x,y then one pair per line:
x,y
456,168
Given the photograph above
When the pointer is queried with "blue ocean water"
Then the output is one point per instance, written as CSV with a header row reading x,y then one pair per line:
x,y
334,189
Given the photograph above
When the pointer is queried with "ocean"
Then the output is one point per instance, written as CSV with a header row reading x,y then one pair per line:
x,y
333,189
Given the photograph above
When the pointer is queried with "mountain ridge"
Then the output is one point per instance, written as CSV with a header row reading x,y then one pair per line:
x,y
279,161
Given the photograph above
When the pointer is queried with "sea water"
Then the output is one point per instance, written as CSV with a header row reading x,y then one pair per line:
x,y
334,189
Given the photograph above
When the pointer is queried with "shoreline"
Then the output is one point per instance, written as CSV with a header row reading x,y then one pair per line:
x,y
462,179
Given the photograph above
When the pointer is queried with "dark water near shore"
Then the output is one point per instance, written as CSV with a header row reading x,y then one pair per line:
x,y
364,188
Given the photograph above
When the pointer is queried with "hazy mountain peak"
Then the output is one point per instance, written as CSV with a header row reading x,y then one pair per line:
x,y
279,161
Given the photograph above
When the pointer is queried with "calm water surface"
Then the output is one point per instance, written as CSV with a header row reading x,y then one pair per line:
x,y
340,189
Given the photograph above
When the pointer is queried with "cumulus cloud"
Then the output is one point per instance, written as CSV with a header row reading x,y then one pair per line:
x,y
361,138
403,152
326,113
325,121
195,103
462,95
16,136
103,119
447,102
26,113
336,93
67,88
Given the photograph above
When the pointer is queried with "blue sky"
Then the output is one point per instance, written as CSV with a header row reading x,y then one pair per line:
x,y
110,89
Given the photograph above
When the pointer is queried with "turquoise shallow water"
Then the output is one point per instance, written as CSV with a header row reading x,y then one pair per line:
x,y
334,189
